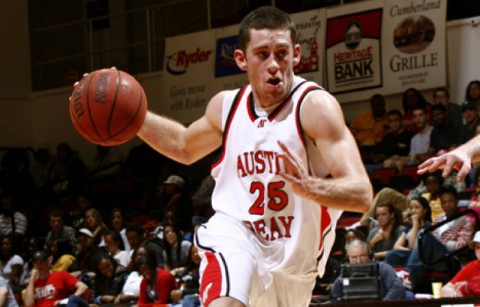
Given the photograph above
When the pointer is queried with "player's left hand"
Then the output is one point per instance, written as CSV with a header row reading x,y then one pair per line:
x,y
295,173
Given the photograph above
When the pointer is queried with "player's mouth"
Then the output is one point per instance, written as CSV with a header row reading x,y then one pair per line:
x,y
274,82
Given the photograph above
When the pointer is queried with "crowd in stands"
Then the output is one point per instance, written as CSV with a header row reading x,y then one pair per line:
x,y
120,230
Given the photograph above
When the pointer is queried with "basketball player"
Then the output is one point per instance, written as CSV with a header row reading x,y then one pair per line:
x,y
461,159
288,167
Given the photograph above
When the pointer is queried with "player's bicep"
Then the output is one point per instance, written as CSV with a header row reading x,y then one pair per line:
x,y
323,121
205,135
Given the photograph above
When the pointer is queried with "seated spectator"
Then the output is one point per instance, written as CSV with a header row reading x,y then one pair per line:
x,y
395,143
136,238
442,96
109,280
467,281
176,250
433,183
472,120
117,223
448,238
7,298
391,288
177,201
420,214
11,264
445,134
412,99
12,222
369,127
385,196
94,223
113,248
107,163
383,236
59,231
157,284
51,288
419,144
131,288
61,255
67,169
189,280
472,92
84,264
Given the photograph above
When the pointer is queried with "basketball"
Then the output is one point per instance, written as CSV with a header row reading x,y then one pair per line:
x,y
108,107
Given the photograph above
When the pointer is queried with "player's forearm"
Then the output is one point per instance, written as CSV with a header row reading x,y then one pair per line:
x,y
164,135
349,194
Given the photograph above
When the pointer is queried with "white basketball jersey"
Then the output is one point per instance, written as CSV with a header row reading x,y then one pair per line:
x,y
292,231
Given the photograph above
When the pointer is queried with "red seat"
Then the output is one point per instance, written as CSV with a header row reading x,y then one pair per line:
x,y
384,175
411,171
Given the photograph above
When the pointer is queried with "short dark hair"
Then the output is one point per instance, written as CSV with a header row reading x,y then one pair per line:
x,y
395,112
265,17
438,107
441,89
448,189
138,229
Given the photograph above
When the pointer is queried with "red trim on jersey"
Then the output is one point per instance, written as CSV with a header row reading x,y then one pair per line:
x,y
235,104
211,280
250,105
297,112
325,224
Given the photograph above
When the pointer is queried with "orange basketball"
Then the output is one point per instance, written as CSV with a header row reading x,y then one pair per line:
x,y
108,107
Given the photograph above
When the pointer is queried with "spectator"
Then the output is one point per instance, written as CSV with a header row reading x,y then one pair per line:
x,y
7,299
61,255
84,264
112,246
107,163
177,202
109,280
156,285
117,223
12,222
188,278
395,143
442,96
76,213
470,115
391,288
94,223
384,196
419,144
448,238
472,92
11,264
40,167
59,231
67,169
136,238
383,236
369,127
412,99
445,133
50,288
131,288
420,213
467,281
433,183
176,250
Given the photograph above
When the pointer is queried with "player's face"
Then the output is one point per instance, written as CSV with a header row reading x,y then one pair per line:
x,y
269,59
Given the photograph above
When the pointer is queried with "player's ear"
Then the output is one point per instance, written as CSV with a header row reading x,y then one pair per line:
x,y
297,53
240,59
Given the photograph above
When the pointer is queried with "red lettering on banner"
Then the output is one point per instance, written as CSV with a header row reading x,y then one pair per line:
x,y
184,59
